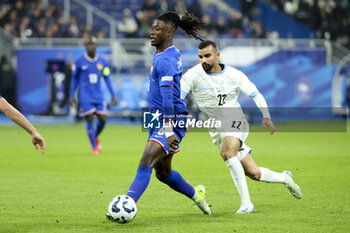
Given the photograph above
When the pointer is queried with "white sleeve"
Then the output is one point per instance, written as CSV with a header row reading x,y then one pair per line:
x,y
186,83
246,86
249,88
262,105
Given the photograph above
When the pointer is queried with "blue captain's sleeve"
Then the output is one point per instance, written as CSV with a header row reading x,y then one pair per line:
x,y
106,75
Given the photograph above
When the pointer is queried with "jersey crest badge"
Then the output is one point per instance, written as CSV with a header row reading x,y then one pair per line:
x,y
219,89
99,66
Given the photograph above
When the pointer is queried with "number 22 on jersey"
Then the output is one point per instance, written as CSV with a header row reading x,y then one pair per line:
x,y
221,98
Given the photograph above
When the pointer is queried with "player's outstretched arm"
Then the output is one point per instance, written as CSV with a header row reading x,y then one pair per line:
x,y
17,117
262,105
250,90
108,81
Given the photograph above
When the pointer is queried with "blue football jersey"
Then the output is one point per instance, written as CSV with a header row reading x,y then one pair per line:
x,y
166,71
87,75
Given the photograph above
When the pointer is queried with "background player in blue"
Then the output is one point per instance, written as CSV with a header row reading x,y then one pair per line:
x,y
164,100
17,117
88,71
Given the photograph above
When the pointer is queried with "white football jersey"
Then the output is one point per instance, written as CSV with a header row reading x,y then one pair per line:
x,y
217,94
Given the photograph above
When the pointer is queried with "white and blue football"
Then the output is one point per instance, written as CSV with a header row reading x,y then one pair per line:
x,y
122,209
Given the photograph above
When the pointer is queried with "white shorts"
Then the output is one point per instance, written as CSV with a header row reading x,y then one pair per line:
x,y
218,138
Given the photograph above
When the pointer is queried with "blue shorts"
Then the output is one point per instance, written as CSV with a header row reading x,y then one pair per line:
x,y
86,108
158,135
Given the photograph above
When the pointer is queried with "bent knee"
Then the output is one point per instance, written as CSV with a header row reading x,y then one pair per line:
x,y
162,171
254,174
227,153
162,174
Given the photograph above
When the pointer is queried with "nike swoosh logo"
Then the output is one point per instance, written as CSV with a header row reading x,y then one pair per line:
x,y
245,210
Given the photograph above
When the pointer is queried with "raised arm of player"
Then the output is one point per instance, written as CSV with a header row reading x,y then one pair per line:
x,y
250,90
17,117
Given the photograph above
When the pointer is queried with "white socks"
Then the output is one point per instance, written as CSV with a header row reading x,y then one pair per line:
x,y
272,177
238,176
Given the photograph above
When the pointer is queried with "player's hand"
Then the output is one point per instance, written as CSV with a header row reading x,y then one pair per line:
x,y
269,123
113,101
72,102
173,143
37,139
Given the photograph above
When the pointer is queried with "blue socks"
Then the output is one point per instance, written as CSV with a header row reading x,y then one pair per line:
x,y
99,128
143,176
176,182
140,183
91,132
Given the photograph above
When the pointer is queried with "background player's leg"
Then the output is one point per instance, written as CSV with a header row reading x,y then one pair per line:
x,y
228,151
99,127
90,129
153,152
100,124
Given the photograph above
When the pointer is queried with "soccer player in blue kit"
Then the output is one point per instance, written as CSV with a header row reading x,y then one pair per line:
x,y
88,71
165,102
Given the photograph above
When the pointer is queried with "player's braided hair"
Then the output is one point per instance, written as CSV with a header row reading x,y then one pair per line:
x,y
189,23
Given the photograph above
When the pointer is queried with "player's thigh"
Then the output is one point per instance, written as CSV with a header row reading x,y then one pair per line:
x,y
101,118
152,153
250,167
89,118
230,147
163,166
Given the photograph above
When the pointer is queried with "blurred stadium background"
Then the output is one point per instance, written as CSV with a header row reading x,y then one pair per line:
x,y
295,51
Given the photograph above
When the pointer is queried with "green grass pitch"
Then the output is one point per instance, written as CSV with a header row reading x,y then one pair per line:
x,y
68,190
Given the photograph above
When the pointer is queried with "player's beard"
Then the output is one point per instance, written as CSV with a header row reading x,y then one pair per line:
x,y
207,67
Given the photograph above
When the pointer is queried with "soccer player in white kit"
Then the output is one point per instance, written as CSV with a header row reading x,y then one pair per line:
x,y
216,88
